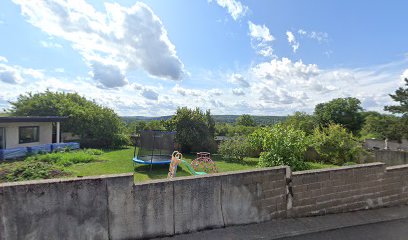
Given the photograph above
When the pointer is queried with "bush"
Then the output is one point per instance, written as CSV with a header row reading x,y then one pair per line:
x,y
235,149
93,151
29,171
336,145
121,140
281,146
66,158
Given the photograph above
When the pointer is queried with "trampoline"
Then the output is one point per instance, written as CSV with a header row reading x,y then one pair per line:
x,y
155,147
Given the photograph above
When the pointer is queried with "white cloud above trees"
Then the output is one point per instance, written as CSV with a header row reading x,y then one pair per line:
x,y
124,38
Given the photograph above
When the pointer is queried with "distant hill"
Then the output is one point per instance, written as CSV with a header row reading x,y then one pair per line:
x,y
261,120
128,119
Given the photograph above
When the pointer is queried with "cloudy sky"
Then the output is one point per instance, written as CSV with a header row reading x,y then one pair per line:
x,y
233,57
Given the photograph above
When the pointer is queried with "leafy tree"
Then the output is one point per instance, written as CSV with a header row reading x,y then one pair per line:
x,y
336,145
382,126
195,130
344,111
302,121
97,126
281,145
245,120
400,96
225,129
235,149
136,126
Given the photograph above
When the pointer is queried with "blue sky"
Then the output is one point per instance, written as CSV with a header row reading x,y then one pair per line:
x,y
233,57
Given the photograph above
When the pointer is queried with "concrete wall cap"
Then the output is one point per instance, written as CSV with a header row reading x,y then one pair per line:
x,y
58,180
397,167
214,175
376,164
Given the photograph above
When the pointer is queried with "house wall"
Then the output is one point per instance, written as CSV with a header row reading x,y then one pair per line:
x,y
12,134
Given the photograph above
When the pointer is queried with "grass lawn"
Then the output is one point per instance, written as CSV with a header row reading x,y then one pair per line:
x,y
120,161
115,162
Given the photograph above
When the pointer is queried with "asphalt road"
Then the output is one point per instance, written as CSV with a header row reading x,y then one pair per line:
x,y
378,224
393,230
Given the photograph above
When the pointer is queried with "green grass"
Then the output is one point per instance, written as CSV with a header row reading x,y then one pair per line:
x,y
317,165
120,161
115,162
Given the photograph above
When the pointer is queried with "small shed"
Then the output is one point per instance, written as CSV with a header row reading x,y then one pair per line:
x,y
23,134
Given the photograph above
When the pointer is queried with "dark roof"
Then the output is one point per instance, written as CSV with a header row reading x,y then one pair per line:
x,y
32,119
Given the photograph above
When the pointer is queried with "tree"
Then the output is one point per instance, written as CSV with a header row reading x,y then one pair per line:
x,y
235,148
245,120
344,111
97,126
400,96
195,130
302,121
280,145
382,126
336,145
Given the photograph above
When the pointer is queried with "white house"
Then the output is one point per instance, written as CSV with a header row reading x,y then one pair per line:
x,y
30,131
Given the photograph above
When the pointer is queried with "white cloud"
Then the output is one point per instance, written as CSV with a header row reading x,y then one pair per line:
x,y
186,92
129,38
239,80
404,74
3,59
215,92
260,32
50,44
14,74
238,91
10,75
150,94
292,41
276,96
235,8
261,39
109,76
318,36
284,70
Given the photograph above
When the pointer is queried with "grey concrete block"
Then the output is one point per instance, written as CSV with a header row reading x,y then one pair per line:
x,y
70,209
241,204
148,211
121,205
197,204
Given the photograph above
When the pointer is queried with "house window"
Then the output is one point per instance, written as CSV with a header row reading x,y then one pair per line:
x,y
29,134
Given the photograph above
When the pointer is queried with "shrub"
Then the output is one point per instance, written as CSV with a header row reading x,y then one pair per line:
x,y
93,151
66,158
29,171
120,140
281,146
235,149
336,145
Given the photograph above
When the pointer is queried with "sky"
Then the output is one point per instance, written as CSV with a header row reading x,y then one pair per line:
x,y
260,57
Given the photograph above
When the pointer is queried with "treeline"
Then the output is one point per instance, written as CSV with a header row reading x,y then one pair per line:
x,y
336,124
259,120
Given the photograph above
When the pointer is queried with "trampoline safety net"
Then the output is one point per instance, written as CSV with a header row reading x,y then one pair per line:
x,y
156,146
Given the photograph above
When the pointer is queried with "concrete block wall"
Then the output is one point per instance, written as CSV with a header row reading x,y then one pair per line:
x,y
113,207
395,186
318,192
391,158
188,204
54,209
